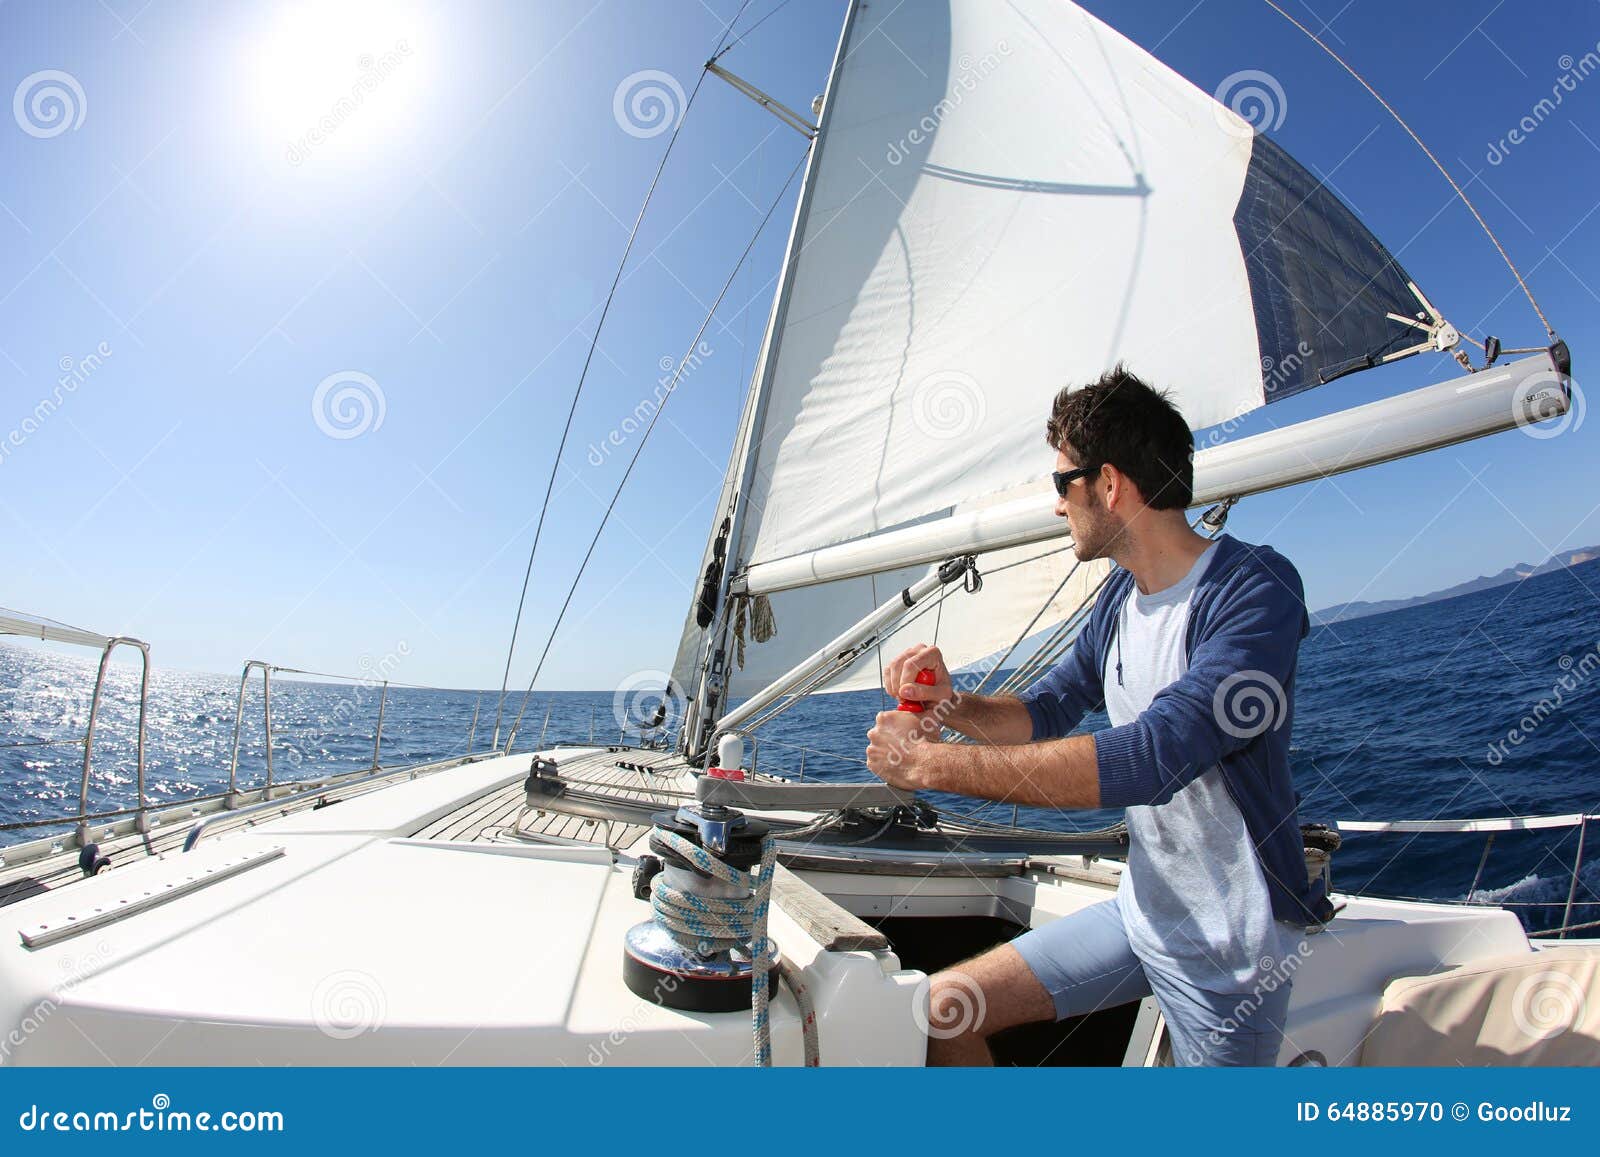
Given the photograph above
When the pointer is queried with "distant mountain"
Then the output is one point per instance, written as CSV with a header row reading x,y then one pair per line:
x,y
1512,574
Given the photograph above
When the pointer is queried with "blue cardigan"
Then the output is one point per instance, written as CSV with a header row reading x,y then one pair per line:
x,y
1233,709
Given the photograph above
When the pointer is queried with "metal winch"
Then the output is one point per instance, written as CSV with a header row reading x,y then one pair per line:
x,y
703,883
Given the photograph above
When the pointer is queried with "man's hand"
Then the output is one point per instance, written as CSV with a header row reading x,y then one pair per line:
x,y
993,719
898,747
900,679
1057,773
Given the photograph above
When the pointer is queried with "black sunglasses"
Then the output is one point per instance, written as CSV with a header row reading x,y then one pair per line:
x,y
1065,478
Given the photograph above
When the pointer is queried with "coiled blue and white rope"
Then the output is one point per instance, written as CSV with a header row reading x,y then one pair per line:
x,y
707,924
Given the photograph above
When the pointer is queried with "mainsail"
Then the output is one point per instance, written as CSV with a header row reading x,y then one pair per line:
x,y
1005,198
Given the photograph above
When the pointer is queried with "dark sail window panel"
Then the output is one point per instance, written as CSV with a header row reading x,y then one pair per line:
x,y
1319,280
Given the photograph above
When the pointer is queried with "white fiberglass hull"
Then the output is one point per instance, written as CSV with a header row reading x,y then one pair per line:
x,y
441,921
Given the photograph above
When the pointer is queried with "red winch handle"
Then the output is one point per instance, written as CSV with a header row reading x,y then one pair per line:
x,y
927,678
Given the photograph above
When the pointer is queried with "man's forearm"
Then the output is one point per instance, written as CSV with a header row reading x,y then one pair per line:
x,y
1061,773
995,719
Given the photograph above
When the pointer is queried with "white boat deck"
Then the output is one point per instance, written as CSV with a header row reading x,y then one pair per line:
x,y
47,865
441,902
409,925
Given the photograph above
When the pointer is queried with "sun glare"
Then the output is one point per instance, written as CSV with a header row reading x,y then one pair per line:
x,y
337,78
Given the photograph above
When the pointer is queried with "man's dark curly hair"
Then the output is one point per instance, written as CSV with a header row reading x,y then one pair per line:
x,y
1121,421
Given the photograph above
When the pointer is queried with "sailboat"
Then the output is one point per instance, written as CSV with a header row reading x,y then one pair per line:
x,y
997,198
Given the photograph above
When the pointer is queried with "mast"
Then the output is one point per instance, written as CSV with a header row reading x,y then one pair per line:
x,y
704,696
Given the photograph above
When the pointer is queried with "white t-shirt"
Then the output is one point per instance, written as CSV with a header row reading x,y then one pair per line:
x,y
1193,899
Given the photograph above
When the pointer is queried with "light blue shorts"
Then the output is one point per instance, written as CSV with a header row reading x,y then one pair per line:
x,y
1085,963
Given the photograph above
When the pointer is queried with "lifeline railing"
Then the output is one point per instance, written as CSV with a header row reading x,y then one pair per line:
x,y
1492,826
651,736
233,798
48,630
383,684
142,819
83,818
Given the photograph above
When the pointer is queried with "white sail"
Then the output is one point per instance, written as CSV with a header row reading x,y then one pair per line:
x,y
1010,198
1007,198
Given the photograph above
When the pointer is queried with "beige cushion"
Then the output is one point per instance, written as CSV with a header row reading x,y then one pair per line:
x,y
1533,1008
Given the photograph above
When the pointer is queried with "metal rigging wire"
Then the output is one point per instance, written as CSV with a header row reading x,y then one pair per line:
x,y
740,38
645,438
1465,200
594,341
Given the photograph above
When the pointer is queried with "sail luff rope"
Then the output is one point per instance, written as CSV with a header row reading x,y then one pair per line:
x,y
1460,192
583,374
645,437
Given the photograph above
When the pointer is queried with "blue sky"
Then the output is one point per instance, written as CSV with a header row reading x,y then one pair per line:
x,y
452,240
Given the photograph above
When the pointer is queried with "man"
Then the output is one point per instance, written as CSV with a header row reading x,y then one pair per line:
x,y
1190,650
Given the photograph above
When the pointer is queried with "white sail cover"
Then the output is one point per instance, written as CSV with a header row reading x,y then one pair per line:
x,y
35,627
1009,197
